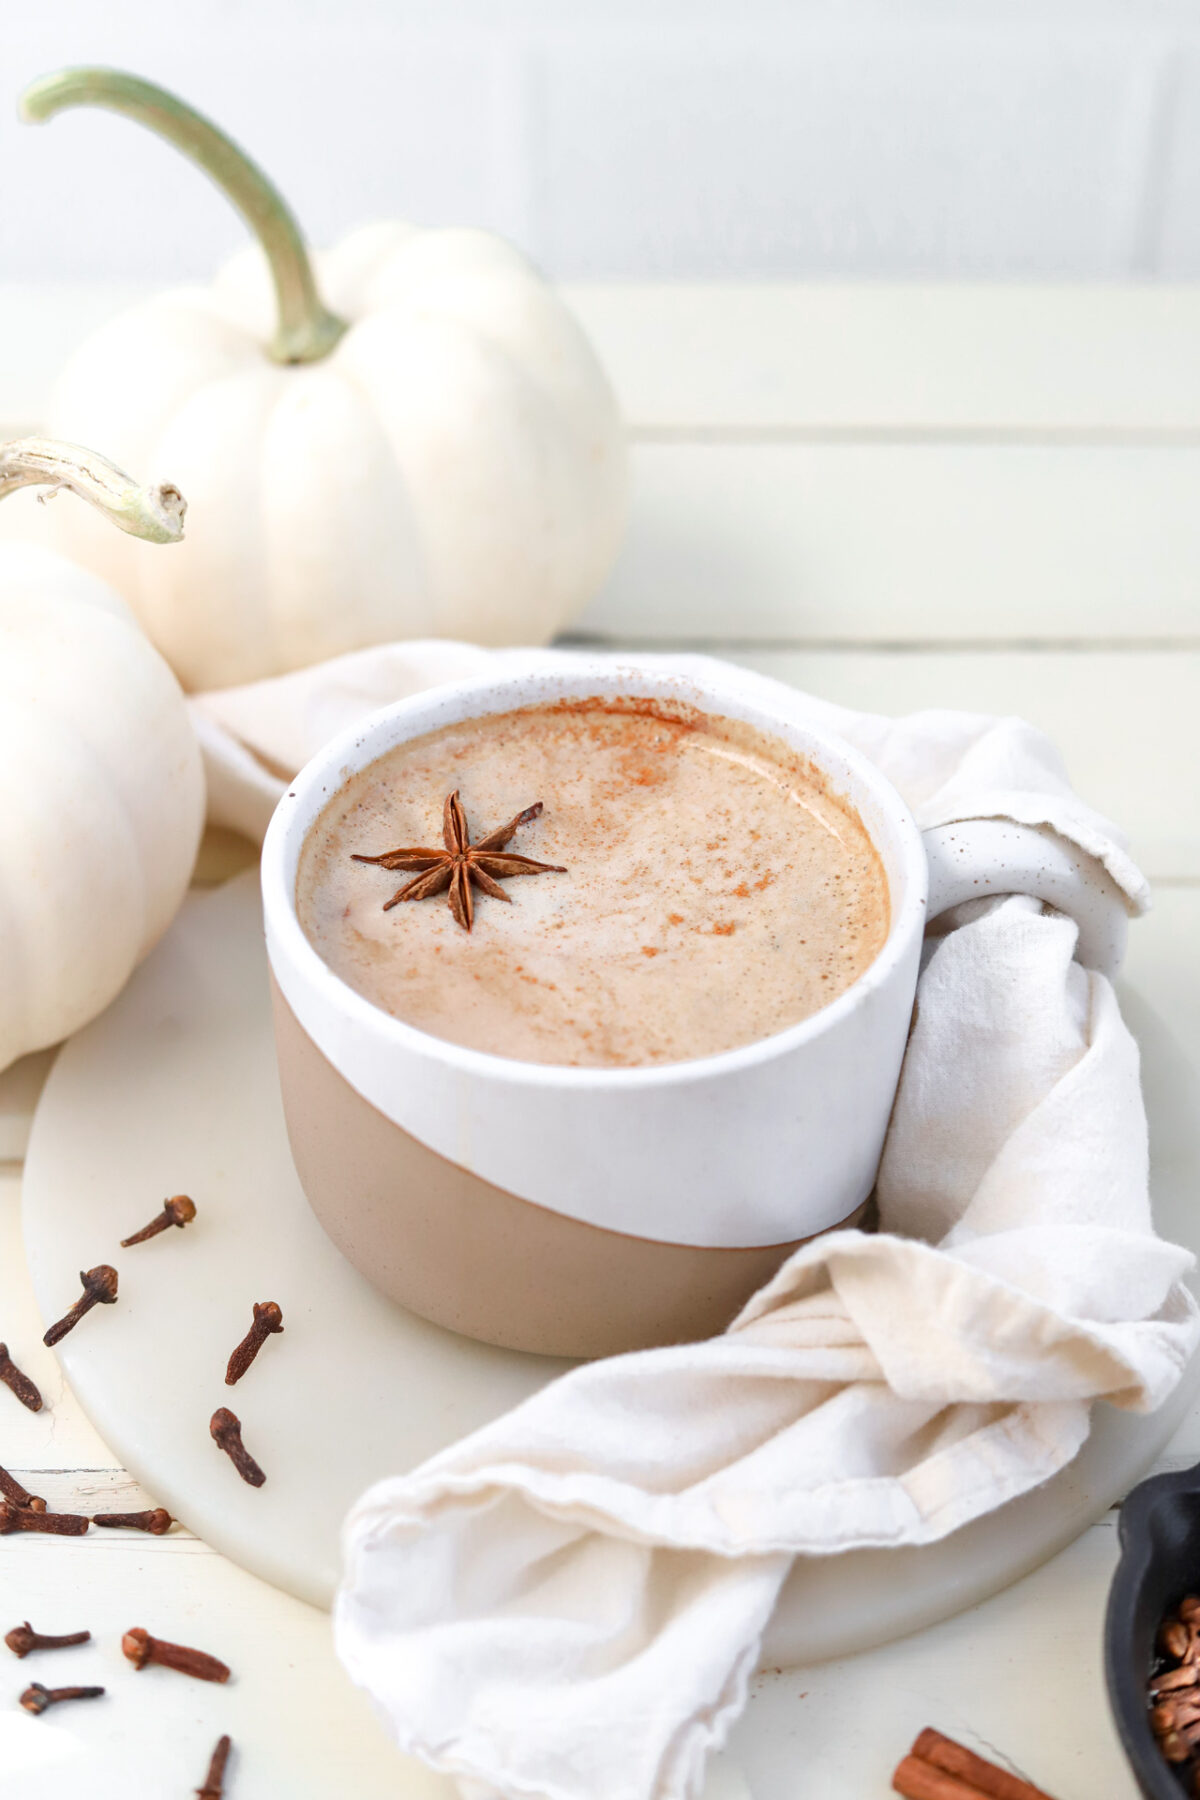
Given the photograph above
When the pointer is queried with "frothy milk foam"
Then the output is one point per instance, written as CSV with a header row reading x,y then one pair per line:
x,y
716,890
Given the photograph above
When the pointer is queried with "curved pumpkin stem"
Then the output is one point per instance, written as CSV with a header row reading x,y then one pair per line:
x,y
154,513
306,330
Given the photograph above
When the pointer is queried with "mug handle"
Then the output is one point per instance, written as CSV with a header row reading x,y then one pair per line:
x,y
975,857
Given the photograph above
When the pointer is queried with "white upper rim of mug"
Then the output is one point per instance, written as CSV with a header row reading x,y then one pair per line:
x,y
365,742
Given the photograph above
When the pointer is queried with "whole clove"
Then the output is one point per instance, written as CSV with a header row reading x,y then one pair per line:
x,y
142,1650
99,1289
20,1384
268,1318
214,1781
23,1518
226,1430
179,1210
23,1639
157,1522
12,1490
37,1698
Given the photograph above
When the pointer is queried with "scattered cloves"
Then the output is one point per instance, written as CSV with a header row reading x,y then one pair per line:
x,y
268,1318
23,1518
16,1379
179,1210
12,1490
23,1638
157,1522
99,1289
226,1430
142,1650
214,1781
37,1698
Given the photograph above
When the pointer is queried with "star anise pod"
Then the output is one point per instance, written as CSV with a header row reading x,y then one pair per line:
x,y
462,863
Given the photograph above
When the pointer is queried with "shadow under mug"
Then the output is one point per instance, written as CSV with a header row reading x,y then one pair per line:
x,y
585,1212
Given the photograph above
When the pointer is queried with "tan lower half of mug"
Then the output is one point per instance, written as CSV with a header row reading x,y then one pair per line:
x,y
479,1260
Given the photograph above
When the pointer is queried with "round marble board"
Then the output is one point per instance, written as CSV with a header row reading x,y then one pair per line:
x,y
174,1090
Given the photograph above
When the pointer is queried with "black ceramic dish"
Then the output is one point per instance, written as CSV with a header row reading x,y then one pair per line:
x,y
1160,1564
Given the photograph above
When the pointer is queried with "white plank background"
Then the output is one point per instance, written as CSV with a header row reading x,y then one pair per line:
x,y
898,498
685,139
870,542
1115,361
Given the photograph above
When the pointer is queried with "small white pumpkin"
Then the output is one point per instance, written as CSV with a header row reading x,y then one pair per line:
x,y
442,458
101,785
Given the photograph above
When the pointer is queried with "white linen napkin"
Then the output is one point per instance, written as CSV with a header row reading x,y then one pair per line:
x,y
569,1603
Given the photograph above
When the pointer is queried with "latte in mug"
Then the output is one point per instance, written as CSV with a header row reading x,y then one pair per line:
x,y
693,885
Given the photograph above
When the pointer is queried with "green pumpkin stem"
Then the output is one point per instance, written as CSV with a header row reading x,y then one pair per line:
x,y
306,329
153,513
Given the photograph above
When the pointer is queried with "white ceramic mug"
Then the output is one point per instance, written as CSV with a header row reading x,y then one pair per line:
x,y
582,1211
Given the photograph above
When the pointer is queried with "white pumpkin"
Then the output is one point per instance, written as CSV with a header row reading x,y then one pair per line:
x,y
439,456
101,785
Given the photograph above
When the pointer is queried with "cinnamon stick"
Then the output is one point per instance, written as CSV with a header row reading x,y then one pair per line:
x,y
917,1780
969,1772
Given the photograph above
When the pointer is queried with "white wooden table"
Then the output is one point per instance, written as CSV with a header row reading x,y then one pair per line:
x,y
898,498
